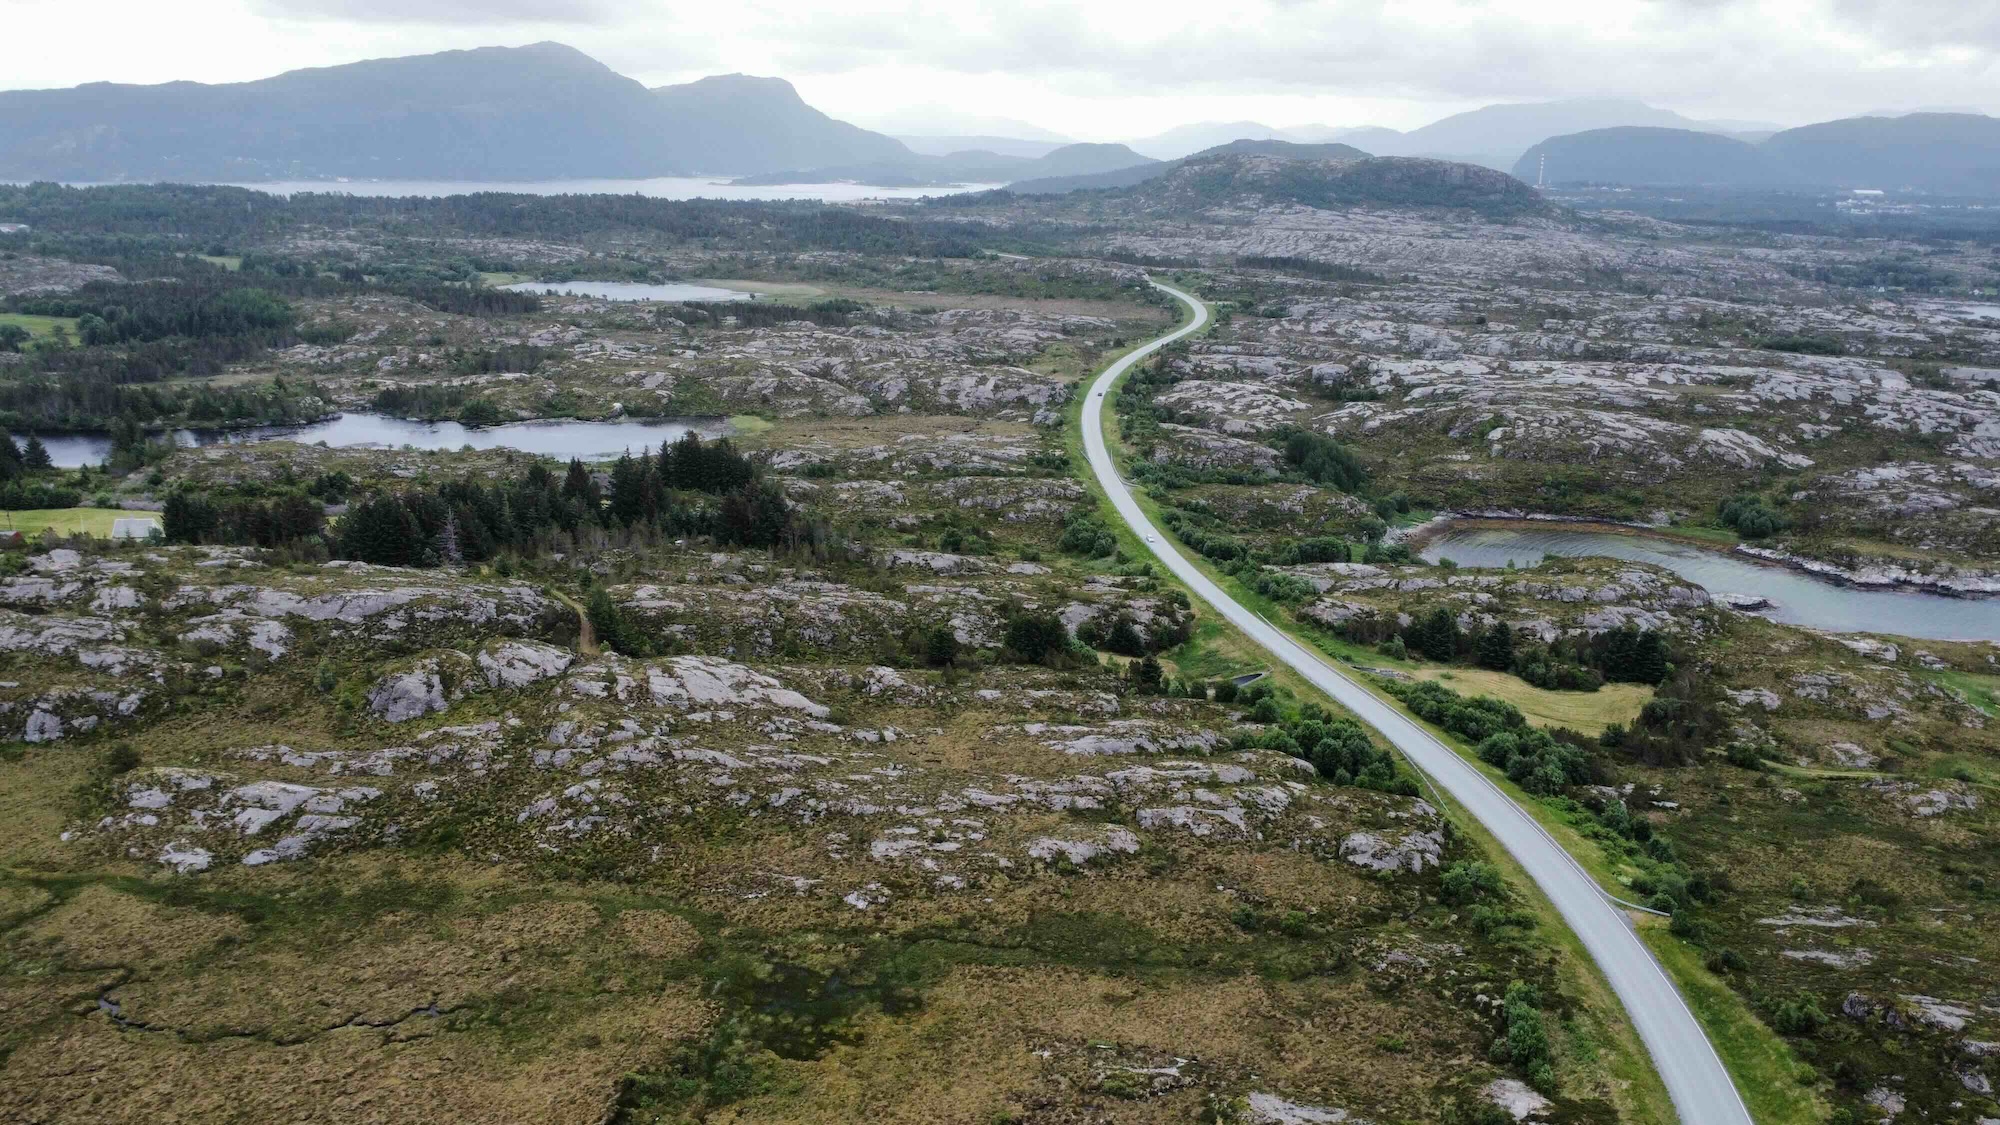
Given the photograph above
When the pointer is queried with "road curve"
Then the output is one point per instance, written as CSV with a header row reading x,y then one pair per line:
x,y
1695,1078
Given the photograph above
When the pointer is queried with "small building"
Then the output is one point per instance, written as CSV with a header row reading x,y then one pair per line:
x,y
13,228
136,527
12,541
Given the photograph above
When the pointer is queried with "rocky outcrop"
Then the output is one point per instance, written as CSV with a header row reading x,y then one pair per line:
x,y
1411,851
513,664
427,687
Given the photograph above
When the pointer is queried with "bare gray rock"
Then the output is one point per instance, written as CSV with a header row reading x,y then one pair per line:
x,y
513,664
1412,851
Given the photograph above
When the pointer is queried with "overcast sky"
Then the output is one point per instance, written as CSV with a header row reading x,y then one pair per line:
x,y
1104,69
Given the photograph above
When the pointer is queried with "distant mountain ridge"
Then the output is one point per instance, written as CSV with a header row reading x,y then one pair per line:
x,y
1081,159
1129,177
1952,153
544,111
1388,181
947,144
1494,135
1186,140
735,121
1497,135
1315,175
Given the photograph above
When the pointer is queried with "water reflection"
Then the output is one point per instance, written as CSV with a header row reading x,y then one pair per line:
x,y
592,441
632,290
1795,598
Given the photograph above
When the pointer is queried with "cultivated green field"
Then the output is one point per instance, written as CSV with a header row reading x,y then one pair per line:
x,y
39,326
64,521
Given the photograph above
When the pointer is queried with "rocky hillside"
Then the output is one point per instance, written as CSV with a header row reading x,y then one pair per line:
x,y
544,111
1403,182
1050,181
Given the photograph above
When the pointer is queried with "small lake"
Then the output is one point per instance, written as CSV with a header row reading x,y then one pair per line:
x,y
591,441
1796,598
632,290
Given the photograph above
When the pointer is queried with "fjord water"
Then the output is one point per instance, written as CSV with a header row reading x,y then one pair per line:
x,y
632,290
591,441
663,187
1796,598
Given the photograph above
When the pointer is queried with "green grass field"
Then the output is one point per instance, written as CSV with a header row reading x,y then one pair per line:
x,y
230,262
1586,711
40,326
1715,536
1983,692
65,521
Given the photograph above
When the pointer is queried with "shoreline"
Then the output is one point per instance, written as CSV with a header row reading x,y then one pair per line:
x,y
1883,579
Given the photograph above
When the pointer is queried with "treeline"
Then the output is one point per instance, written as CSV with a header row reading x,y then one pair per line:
x,y
688,488
27,477
1549,763
190,517
1042,278
1749,516
119,313
1307,267
501,357
835,313
1323,460
1210,538
1675,727
1340,750
1121,634
424,401
1906,274
130,337
469,300
1537,760
41,403
27,459
203,214
1572,663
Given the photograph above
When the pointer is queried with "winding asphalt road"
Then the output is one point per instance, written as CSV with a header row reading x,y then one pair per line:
x,y
1701,1090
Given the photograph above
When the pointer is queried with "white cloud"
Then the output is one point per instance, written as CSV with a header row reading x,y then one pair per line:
x,y
1109,68
444,13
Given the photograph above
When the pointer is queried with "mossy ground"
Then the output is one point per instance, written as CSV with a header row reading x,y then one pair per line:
x,y
462,967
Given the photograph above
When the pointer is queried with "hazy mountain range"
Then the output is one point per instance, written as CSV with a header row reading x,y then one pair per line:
x,y
540,112
1952,153
548,111
1495,135
936,144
